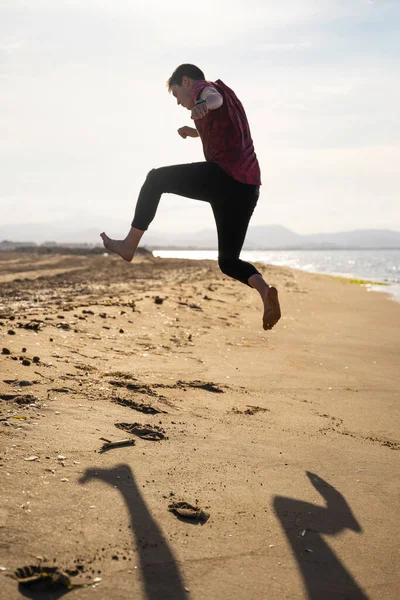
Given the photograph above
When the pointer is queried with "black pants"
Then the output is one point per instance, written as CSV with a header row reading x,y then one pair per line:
x,y
232,203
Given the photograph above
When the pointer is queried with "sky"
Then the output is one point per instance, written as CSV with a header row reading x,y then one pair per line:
x,y
85,112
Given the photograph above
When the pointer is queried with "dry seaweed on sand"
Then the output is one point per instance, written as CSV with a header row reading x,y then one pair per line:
x,y
146,432
188,511
209,386
139,406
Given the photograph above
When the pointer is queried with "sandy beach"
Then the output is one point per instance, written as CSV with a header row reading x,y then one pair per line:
x,y
286,442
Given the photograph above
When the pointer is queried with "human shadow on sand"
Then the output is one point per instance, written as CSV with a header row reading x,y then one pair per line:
x,y
160,572
304,524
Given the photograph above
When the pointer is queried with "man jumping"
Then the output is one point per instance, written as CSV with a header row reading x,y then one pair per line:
x,y
229,179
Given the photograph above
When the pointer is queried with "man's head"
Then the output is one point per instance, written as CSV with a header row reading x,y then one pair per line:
x,y
181,83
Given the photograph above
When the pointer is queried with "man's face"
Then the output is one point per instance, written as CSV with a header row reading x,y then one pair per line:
x,y
182,93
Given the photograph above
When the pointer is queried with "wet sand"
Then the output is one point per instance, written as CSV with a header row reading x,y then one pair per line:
x,y
288,439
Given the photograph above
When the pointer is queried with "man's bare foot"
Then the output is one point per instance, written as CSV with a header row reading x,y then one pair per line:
x,y
120,247
272,310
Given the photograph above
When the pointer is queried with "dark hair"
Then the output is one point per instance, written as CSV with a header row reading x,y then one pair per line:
x,y
184,70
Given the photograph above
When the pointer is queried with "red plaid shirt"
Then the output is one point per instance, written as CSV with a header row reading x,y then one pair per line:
x,y
225,134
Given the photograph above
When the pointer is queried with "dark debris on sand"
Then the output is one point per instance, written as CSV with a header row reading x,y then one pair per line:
x,y
146,432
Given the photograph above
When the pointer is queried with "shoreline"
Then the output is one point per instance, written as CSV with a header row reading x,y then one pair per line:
x,y
393,288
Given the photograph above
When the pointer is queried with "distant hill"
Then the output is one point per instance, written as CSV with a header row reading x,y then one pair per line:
x,y
259,237
360,238
268,237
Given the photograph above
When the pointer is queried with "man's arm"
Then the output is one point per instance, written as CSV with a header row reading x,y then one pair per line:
x,y
213,98
209,99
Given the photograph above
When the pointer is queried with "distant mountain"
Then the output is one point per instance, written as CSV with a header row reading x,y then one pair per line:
x,y
360,238
268,237
259,237
58,232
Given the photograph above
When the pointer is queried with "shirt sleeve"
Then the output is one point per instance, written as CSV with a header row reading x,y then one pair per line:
x,y
198,87
209,91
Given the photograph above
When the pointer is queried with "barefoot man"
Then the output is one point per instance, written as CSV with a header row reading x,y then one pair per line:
x,y
229,179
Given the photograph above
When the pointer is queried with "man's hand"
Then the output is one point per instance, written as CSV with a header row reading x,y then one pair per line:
x,y
186,131
199,111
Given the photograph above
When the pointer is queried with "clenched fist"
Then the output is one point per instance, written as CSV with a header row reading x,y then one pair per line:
x,y
186,131
199,111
